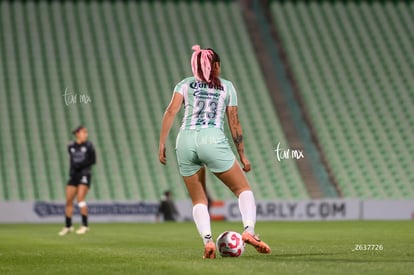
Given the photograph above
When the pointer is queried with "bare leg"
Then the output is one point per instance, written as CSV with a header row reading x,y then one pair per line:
x,y
235,179
70,195
202,177
82,192
196,189
202,174
196,185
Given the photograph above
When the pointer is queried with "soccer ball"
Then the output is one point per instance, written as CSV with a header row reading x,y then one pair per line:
x,y
230,244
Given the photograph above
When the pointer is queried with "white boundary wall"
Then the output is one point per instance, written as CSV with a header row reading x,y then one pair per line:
x,y
271,210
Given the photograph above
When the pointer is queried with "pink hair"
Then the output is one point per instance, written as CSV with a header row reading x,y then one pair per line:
x,y
205,57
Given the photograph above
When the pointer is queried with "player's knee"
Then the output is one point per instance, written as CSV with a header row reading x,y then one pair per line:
x,y
82,204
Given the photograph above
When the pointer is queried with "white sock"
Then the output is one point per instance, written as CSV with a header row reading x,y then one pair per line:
x,y
202,221
247,206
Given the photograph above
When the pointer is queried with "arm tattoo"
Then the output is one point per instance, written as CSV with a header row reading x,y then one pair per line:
x,y
238,139
234,127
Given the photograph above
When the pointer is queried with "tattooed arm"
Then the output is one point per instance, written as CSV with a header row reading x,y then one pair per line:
x,y
235,128
237,135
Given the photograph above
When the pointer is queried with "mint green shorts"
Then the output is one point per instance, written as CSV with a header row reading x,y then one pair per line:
x,y
199,147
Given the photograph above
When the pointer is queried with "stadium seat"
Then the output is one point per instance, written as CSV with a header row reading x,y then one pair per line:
x,y
127,56
352,61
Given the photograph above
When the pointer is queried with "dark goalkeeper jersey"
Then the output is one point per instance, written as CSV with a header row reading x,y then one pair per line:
x,y
82,157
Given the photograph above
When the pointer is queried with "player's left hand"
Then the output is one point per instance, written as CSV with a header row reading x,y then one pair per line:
x,y
161,154
246,164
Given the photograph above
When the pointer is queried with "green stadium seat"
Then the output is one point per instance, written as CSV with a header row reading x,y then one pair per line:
x,y
127,56
353,67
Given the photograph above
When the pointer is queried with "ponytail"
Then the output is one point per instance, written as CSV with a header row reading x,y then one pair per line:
x,y
202,62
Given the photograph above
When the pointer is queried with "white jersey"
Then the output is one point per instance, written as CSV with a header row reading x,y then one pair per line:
x,y
204,104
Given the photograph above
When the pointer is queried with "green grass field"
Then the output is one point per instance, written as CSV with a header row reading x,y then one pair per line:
x,y
175,248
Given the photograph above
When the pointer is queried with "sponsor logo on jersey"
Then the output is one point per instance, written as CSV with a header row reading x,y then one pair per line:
x,y
205,94
202,85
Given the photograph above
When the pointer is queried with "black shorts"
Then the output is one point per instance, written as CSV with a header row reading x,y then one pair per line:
x,y
76,179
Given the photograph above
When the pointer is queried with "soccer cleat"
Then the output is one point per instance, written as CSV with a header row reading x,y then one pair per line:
x,y
66,230
209,250
82,230
254,240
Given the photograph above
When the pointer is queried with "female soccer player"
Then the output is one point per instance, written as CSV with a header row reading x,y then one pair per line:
x,y
201,142
82,157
